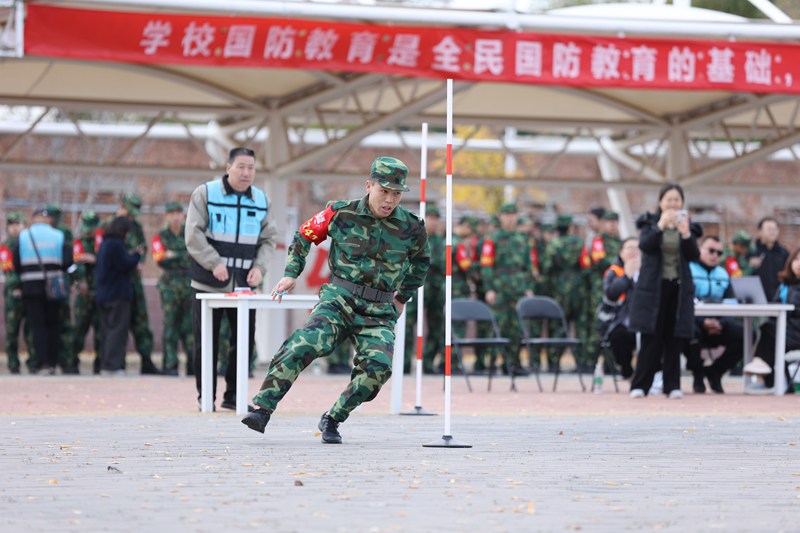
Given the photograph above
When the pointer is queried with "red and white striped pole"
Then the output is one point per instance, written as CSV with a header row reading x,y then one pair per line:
x,y
418,409
447,440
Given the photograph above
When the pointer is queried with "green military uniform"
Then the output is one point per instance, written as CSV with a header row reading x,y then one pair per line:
x,y
434,306
140,323
738,264
170,254
66,356
370,258
563,265
13,307
506,269
86,316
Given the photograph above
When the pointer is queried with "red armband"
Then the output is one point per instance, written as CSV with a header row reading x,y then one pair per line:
x,y
598,249
463,258
159,250
584,260
77,250
316,229
487,254
6,259
733,268
98,239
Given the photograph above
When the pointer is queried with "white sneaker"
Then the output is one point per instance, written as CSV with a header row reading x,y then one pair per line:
x,y
757,366
637,393
658,384
675,394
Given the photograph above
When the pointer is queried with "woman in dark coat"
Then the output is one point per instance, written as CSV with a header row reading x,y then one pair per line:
x,y
114,293
662,308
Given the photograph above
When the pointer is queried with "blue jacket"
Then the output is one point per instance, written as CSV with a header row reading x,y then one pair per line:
x,y
234,225
112,273
55,254
710,285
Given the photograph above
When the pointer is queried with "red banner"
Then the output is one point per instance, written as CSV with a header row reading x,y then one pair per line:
x,y
503,56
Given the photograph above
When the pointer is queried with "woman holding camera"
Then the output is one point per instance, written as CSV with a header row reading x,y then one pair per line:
x,y
662,308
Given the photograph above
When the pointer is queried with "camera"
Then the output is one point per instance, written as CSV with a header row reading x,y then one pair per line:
x,y
681,215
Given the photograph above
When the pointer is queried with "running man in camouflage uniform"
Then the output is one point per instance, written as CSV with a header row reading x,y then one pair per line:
x,y
174,285
507,276
13,308
378,258
84,251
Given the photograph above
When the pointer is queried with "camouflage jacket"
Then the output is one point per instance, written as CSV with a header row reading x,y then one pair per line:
x,y
562,257
506,261
388,254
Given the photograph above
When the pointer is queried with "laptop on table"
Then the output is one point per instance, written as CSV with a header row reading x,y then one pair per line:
x,y
749,290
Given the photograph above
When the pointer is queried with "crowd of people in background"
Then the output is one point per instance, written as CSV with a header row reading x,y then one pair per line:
x,y
609,289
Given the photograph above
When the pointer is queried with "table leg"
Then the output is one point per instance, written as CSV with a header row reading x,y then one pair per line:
x,y
242,354
780,355
206,359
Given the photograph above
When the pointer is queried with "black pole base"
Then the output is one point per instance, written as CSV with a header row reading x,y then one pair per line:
x,y
447,441
418,411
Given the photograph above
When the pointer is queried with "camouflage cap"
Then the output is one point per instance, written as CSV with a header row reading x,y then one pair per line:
x,y
89,218
132,202
508,208
173,206
563,220
15,217
432,210
391,173
53,209
547,226
610,215
742,237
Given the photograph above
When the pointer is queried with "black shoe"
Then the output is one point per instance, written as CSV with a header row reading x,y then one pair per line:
x,y
70,370
149,368
14,370
699,385
519,371
330,430
231,404
200,408
257,419
714,381
170,372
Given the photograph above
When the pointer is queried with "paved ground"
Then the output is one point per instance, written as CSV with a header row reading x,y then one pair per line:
x,y
132,454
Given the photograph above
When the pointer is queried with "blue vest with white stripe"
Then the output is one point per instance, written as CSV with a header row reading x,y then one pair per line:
x,y
234,224
49,243
709,286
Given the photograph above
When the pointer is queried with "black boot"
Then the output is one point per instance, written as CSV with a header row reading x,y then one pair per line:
x,y
257,420
330,430
148,367
699,385
714,380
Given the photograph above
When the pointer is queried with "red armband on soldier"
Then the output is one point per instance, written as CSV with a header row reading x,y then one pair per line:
x,y
535,258
6,259
487,254
77,250
463,257
733,268
584,260
159,250
598,249
316,229
98,239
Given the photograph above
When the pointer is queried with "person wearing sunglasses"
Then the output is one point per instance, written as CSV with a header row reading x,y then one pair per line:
x,y
712,283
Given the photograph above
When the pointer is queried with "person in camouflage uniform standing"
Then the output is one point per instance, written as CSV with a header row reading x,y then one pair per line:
x,y
130,206
174,285
84,254
564,262
434,299
507,275
67,359
737,257
379,256
13,308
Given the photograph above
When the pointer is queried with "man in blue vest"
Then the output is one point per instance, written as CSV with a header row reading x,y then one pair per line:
x,y
712,284
43,252
230,241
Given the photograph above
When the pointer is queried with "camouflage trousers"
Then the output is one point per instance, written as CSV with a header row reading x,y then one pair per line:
x,y
505,313
14,320
86,316
67,358
176,302
339,315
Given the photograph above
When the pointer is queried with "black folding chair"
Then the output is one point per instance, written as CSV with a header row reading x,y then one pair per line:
x,y
465,310
546,311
